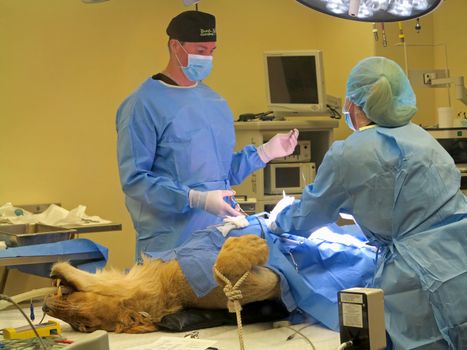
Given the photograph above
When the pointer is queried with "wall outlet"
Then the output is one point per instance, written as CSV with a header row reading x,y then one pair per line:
x,y
428,77
421,78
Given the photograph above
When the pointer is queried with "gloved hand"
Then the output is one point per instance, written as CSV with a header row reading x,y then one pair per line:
x,y
281,205
213,202
280,145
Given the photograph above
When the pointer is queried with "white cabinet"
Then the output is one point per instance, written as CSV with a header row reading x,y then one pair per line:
x,y
318,131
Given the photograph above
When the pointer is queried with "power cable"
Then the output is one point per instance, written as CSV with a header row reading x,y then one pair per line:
x,y
7,298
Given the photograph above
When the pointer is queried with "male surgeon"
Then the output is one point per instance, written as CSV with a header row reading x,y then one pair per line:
x,y
176,141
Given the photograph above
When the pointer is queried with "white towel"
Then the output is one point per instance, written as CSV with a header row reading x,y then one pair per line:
x,y
232,222
54,215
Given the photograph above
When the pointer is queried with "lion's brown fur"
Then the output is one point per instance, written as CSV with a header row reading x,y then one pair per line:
x,y
134,302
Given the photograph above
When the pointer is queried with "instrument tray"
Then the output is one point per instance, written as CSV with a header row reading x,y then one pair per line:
x,y
28,234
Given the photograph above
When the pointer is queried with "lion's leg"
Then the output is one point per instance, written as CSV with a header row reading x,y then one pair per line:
x,y
239,254
246,253
103,282
261,284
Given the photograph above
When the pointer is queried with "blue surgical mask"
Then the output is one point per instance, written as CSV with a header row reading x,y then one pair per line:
x,y
348,119
198,67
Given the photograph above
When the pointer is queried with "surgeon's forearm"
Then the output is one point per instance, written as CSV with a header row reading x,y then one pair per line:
x,y
244,163
299,221
159,193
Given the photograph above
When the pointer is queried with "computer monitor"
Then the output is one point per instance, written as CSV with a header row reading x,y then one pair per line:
x,y
295,82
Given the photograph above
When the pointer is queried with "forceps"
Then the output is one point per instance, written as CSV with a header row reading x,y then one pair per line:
x,y
234,204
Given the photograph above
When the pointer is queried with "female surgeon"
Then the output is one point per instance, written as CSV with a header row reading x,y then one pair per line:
x,y
403,190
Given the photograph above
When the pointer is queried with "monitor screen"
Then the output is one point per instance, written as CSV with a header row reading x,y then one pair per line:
x,y
295,82
292,79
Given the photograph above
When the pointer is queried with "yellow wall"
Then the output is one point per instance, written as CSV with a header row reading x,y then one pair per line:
x,y
415,54
66,66
442,31
451,30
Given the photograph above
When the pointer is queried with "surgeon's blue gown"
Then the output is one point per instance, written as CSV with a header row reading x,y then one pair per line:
x,y
402,188
172,139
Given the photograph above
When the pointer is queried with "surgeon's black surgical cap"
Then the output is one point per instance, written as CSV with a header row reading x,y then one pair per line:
x,y
193,26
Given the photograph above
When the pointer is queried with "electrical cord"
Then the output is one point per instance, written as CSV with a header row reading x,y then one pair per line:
x,y
42,319
263,234
300,334
7,298
43,313
345,345
290,337
335,114
251,116
32,344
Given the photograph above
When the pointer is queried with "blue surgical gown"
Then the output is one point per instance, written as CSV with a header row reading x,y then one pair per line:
x,y
172,139
402,188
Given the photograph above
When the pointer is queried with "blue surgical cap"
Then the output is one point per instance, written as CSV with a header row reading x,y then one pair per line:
x,y
380,87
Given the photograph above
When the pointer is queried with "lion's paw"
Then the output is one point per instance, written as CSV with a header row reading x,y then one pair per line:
x,y
69,275
240,254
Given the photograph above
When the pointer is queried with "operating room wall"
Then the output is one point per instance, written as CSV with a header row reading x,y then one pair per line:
x,y
66,66
450,30
439,45
414,53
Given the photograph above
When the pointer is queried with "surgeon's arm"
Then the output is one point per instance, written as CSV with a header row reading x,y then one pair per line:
x,y
321,201
253,158
244,163
137,145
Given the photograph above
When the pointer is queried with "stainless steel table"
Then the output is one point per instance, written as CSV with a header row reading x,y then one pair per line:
x,y
95,228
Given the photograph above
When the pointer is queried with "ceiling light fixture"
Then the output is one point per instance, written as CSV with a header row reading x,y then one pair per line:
x,y
374,10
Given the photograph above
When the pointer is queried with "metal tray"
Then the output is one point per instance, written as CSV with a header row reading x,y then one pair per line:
x,y
28,234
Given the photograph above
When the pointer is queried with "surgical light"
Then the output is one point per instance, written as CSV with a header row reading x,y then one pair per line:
x,y
185,2
336,6
374,10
